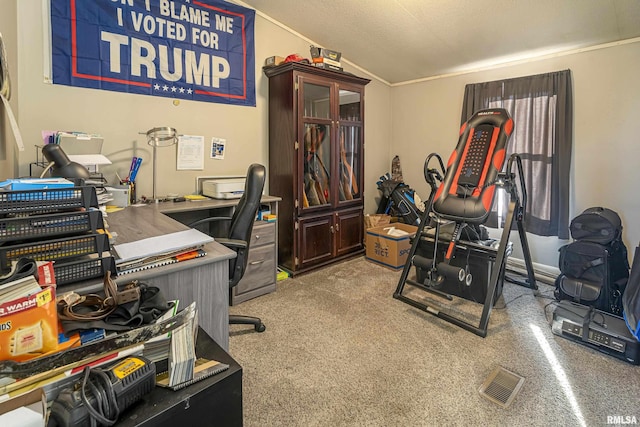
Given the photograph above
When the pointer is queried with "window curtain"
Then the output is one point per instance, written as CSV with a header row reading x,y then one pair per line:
x,y
542,110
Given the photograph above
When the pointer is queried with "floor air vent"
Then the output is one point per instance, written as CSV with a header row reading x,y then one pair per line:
x,y
501,386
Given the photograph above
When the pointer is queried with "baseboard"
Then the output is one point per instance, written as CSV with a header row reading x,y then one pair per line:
x,y
544,273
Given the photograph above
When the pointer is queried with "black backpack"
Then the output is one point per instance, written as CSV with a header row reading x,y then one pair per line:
x,y
593,274
595,267
598,225
398,199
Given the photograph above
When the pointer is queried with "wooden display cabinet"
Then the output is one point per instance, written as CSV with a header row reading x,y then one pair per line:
x,y
316,163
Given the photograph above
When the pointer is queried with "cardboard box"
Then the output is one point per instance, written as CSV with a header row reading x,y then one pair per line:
x,y
29,320
272,61
376,220
322,60
26,409
29,326
319,52
389,245
326,66
120,194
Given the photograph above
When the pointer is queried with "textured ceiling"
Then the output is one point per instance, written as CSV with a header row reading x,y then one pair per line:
x,y
404,40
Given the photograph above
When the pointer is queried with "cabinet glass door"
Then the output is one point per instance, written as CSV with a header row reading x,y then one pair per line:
x,y
349,145
316,100
349,163
350,105
317,165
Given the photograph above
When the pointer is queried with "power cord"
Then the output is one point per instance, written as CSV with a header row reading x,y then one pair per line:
x,y
106,411
92,400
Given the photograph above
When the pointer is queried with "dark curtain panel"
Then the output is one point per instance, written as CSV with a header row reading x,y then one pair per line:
x,y
542,110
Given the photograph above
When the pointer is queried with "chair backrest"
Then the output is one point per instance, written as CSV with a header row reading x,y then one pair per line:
x,y
243,218
466,193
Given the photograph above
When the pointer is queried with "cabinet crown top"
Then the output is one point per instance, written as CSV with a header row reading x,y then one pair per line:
x,y
310,69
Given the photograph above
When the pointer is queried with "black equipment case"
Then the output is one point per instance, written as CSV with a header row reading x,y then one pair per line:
x,y
595,329
475,254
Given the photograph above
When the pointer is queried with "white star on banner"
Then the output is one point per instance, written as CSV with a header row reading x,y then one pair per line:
x,y
173,89
165,88
189,91
156,86
181,90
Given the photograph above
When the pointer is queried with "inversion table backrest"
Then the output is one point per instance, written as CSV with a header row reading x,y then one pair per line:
x,y
467,191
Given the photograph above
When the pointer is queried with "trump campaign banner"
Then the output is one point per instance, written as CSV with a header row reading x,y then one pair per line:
x,y
201,50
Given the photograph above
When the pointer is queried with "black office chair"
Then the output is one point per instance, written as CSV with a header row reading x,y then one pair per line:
x,y
239,234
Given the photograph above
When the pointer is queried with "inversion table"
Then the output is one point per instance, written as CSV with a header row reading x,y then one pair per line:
x,y
464,194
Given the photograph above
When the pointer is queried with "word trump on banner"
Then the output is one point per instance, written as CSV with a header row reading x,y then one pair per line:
x,y
189,49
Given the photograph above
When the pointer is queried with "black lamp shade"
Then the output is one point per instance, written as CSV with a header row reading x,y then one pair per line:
x,y
63,167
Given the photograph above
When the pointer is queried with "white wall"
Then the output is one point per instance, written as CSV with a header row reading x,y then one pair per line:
x,y
410,121
8,148
119,117
606,89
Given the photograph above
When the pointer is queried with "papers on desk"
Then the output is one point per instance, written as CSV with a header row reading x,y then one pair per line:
x,y
158,245
89,159
146,263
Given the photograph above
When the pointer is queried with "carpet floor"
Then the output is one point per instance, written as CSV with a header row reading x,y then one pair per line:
x,y
339,350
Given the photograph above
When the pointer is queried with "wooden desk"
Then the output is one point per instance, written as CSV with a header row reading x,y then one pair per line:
x,y
203,280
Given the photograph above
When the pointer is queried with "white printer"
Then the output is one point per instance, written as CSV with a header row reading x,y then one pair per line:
x,y
231,188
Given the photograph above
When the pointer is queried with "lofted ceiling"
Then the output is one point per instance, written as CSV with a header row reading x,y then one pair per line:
x,y
405,40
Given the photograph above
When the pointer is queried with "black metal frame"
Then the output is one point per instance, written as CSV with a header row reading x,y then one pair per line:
x,y
516,212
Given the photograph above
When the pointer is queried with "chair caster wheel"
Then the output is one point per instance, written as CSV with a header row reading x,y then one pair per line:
x,y
260,327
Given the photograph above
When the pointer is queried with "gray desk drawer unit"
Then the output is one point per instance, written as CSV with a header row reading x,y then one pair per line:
x,y
260,275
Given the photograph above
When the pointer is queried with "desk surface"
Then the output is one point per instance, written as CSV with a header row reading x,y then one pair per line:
x,y
141,222
194,205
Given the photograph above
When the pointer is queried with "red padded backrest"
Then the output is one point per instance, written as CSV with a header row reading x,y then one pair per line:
x,y
466,193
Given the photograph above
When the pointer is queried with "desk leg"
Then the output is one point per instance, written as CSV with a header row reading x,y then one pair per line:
x,y
208,285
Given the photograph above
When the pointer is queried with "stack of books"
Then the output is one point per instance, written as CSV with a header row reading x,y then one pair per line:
x,y
157,349
19,289
174,353
182,357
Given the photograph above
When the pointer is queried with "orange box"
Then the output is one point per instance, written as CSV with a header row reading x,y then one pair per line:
x,y
29,326
389,245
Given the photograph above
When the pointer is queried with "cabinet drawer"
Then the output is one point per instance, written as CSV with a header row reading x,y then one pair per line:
x,y
261,269
263,233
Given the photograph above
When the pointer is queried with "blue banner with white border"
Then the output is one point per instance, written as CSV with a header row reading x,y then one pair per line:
x,y
202,50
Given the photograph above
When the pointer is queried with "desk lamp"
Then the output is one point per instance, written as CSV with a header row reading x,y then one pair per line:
x,y
160,137
60,165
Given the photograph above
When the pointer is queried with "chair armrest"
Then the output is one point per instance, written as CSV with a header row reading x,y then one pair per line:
x,y
211,219
232,243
